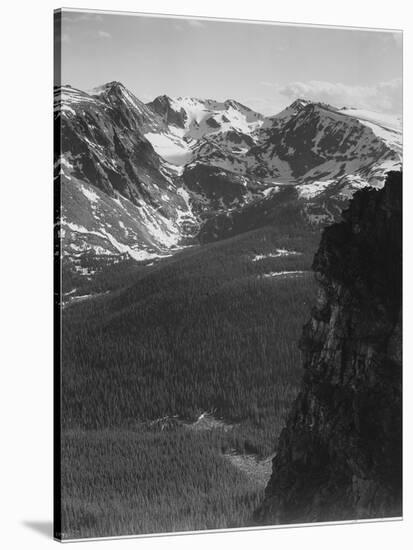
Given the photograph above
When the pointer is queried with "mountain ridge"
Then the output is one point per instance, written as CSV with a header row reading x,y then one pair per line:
x,y
143,180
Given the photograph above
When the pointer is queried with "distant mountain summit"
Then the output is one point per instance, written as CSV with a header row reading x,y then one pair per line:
x,y
170,113
315,141
130,110
192,118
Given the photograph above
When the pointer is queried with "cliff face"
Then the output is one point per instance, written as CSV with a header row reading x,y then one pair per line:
x,y
339,456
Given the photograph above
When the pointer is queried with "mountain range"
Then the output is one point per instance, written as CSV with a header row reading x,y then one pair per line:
x,y
141,181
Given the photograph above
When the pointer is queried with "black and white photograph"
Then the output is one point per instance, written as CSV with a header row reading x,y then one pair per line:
x,y
227,274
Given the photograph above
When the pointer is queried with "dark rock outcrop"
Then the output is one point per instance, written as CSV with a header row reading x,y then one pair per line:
x,y
340,455
162,106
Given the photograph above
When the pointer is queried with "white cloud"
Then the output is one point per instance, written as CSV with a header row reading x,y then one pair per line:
x,y
391,39
397,38
195,23
384,96
104,34
183,24
73,17
264,105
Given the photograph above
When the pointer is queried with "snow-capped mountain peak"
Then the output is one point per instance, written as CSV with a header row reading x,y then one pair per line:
x,y
110,87
299,104
199,117
287,113
188,120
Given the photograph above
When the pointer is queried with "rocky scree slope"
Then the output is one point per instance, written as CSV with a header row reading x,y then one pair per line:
x,y
339,456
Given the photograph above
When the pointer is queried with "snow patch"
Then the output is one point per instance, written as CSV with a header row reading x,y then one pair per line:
x,y
311,190
284,274
171,148
279,252
135,254
389,121
89,194
270,190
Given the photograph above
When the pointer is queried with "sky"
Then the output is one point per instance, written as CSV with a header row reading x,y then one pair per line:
x,y
264,66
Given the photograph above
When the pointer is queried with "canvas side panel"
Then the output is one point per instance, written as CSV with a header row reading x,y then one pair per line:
x,y
57,282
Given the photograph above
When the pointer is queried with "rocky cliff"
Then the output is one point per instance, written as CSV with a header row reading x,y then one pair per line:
x,y
339,456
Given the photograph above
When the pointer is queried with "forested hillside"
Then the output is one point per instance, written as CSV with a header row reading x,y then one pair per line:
x,y
211,329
